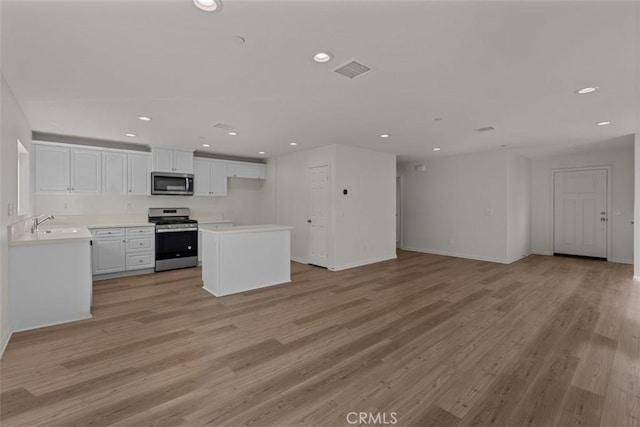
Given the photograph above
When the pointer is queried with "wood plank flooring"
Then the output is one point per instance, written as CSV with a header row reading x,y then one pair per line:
x,y
435,340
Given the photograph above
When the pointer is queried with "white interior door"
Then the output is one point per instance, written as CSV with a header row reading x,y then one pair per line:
x,y
318,215
580,213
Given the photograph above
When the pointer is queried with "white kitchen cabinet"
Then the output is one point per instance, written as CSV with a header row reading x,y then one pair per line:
x,y
124,173
210,177
86,166
123,249
139,174
67,170
52,169
183,161
168,160
246,170
114,173
109,255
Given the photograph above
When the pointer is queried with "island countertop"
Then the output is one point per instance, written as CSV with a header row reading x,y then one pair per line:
x,y
247,229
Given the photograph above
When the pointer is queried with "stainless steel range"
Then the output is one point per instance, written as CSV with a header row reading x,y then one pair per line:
x,y
176,238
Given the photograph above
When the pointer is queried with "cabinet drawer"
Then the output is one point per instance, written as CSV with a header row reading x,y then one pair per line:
x,y
139,261
140,231
107,232
140,244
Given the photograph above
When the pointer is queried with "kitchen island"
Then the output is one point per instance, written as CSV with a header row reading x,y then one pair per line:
x,y
239,259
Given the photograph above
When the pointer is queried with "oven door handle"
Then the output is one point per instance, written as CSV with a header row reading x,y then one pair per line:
x,y
176,230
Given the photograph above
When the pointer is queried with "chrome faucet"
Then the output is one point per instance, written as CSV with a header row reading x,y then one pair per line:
x,y
37,222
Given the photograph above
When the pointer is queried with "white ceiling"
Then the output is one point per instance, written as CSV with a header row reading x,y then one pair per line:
x,y
90,68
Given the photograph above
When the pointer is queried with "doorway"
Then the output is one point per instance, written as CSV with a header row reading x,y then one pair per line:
x,y
318,219
581,212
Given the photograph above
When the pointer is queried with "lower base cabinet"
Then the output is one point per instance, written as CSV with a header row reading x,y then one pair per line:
x,y
115,250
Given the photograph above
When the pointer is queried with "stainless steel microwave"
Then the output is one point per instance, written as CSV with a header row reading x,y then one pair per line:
x,y
176,184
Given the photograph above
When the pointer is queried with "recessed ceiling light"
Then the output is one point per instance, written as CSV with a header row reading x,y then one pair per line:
x,y
436,149
322,57
385,135
293,143
208,5
130,135
587,90
233,133
603,123
261,152
206,145
144,118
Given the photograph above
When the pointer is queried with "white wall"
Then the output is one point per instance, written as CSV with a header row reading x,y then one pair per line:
x,y
13,126
458,206
242,205
365,218
291,195
361,223
636,218
518,206
621,161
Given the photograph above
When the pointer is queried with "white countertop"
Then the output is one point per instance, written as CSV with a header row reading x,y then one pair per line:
x,y
247,229
69,228
52,234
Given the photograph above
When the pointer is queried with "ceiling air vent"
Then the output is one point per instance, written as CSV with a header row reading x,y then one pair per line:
x,y
223,126
352,69
485,129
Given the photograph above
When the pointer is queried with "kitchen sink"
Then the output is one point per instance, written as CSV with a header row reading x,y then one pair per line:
x,y
58,231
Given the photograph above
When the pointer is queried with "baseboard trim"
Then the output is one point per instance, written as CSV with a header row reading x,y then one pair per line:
x,y
620,260
636,278
299,260
46,325
248,290
517,258
120,274
361,263
6,337
458,255
545,253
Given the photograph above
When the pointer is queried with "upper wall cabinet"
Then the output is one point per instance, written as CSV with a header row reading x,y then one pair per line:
x,y
246,170
67,170
139,174
52,169
210,177
168,160
124,173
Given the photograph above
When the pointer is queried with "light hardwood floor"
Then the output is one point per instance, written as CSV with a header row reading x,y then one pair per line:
x,y
437,340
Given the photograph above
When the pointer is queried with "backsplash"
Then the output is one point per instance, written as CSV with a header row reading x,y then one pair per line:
x,y
242,205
